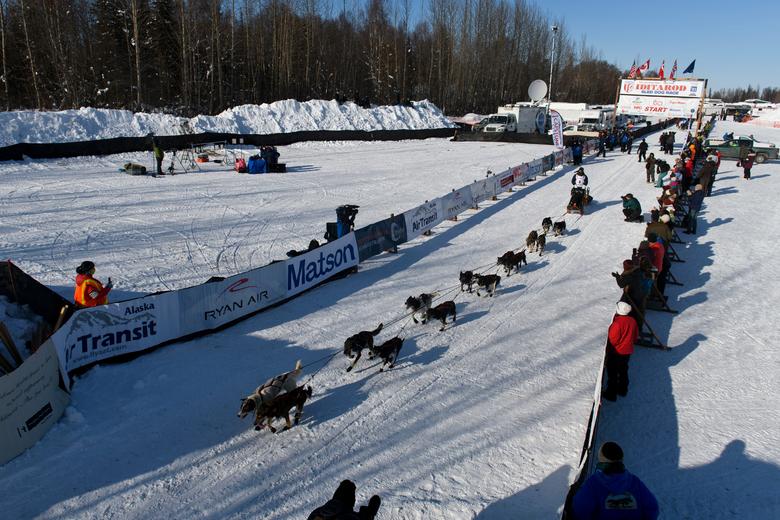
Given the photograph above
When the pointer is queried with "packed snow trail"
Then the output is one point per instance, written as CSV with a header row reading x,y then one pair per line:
x,y
486,419
700,423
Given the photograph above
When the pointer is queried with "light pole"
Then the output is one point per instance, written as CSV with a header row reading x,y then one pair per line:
x,y
552,64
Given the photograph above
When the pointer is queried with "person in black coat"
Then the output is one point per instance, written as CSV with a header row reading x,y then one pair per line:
x,y
695,200
642,150
342,505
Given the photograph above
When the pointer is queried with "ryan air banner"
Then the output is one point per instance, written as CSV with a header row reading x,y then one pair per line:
x,y
103,332
483,189
210,305
309,269
457,201
423,218
31,401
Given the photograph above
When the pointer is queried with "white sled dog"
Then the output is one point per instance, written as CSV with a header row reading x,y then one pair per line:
x,y
266,392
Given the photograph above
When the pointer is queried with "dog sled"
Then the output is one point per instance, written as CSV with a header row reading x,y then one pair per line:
x,y
580,197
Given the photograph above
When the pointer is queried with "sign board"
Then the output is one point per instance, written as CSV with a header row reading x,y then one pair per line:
x,y
31,401
483,190
456,202
314,267
211,305
423,218
103,332
556,121
664,98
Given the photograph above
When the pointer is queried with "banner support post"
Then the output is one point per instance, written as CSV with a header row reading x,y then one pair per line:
x,y
701,109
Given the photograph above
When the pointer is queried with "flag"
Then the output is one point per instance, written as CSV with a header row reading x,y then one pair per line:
x,y
689,68
643,68
661,70
632,72
556,122
674,70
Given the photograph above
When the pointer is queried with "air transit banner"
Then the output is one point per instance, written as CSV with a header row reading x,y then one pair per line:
x,y
423,218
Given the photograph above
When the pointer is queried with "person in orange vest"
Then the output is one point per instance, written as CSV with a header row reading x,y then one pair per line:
x,y
623,333
89,291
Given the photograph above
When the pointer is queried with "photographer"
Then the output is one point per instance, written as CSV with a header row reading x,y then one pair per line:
x,y
632,209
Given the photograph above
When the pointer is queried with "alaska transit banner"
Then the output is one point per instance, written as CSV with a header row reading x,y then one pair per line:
x,y
314,267
423,218
660,97
31,401
103,332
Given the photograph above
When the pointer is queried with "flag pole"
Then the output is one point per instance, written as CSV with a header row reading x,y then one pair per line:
x,y
701,109
617,97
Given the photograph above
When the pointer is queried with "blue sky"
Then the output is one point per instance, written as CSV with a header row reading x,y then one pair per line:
x,y
735,43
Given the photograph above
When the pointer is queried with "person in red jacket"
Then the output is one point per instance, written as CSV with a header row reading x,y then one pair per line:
x,y
622,335
89,291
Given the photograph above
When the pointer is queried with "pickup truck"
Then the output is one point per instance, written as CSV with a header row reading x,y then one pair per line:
x,y
730,148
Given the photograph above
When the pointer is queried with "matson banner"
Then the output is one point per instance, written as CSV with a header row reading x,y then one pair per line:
x,y
660,97
307,270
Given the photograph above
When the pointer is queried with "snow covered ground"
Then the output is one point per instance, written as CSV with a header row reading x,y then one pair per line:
x,y
84,124
485,420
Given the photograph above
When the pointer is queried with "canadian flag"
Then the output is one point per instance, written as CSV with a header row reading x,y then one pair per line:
x,y
632,72
674,70
661,70
643,68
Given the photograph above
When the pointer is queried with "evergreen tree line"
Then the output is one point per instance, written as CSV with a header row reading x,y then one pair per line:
x,y
202,56
734,95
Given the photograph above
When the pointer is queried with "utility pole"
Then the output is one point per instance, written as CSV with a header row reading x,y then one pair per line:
x,y
552,64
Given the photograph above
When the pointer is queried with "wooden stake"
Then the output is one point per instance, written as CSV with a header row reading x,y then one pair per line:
x,y
61,318
5,336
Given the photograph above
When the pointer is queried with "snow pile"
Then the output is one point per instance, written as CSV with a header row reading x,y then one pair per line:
x,y
22,323
86,124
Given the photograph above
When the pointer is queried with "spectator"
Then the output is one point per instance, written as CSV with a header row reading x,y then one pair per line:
x,y
642,150
342,505
612,493
662,142
89,291
159,155
623,333
631,280
650,168
660,262
631,208
576,152
602,147
661,229
747,164
629,143
695,200
706,172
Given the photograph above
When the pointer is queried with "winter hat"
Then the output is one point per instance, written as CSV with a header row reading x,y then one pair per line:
x,y
665,219
623,308
345,493
611,452
85,267
699,187
628,264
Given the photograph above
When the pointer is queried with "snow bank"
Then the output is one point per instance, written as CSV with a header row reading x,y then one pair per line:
x,y
22,323
84,124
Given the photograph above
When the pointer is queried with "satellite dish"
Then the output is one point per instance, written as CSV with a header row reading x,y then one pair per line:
x,y
537,90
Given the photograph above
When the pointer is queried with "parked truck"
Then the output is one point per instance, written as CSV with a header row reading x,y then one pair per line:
x,y
599,116
524,118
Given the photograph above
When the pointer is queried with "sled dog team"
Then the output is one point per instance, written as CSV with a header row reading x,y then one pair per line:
x,y
276,398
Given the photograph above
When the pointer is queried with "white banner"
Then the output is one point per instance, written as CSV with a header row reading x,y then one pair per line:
x,y
559,157
423,218
557,128
314,267
505,180
457,202
31,401
662,88
660,97
667,107
520,173
568,156
211,305
103,332
534,168
483,190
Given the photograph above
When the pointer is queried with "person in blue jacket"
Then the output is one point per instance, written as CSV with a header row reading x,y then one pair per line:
x,y
576,152
612,493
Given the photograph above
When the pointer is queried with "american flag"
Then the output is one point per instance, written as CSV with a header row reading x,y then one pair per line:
x,y
632,72
674,70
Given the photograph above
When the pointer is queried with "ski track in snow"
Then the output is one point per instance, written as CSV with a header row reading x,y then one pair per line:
x,y
485,419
